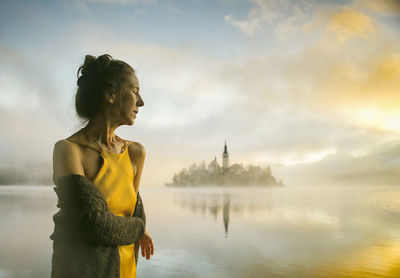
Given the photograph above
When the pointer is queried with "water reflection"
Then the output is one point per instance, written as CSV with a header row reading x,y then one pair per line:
x,y
331,232
207,204
303,232
226,207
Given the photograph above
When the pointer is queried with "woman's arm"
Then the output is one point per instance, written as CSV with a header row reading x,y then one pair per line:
x,y
66,160
139,212
137,154
84,205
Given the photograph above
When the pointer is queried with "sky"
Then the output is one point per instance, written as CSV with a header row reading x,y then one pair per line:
x,y
283,82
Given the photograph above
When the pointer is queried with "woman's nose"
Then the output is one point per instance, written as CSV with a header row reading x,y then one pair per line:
x,y
140,101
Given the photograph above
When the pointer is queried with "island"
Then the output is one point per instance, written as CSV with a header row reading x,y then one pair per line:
x,y
227,175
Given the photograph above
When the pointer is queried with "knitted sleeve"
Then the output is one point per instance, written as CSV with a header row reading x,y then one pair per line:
x,y
139,212
88,212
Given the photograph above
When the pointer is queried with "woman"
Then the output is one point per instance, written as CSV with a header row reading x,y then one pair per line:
x,y
101,221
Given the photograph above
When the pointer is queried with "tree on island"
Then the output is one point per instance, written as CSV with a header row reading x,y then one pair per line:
x,y
215,175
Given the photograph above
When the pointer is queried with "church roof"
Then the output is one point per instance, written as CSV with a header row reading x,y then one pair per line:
x,y
213,163
225,148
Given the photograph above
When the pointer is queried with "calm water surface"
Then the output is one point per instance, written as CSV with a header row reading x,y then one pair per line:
x,y
230,232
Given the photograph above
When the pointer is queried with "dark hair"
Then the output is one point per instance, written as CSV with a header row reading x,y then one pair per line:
x,y
97,76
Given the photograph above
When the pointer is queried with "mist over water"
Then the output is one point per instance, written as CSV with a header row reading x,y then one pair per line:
x,y
230,232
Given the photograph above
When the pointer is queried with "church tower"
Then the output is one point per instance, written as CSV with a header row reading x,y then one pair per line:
x,y
225,159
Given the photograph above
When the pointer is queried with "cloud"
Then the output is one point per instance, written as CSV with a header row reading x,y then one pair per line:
x,y
348,23
356,84
283,16
350,73
31,110
28,84
247,26
295,18
347,80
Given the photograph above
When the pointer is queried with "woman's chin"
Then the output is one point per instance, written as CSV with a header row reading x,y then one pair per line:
x,y
128,120
131,121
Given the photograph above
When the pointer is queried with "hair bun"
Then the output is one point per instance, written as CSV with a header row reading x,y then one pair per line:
x,y
94,66
103,62
87,65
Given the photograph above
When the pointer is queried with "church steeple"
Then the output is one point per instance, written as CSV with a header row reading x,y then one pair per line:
x,y
225,158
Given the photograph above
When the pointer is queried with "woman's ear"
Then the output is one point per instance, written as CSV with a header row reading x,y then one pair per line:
x,y
109,96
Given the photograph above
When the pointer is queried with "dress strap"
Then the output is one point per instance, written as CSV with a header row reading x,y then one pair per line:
x,y
85,144
126,143
83,140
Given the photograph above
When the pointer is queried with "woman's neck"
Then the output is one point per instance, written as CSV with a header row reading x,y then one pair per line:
x,y
101,130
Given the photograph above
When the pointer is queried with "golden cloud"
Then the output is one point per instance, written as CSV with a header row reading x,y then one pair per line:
x,y
348,23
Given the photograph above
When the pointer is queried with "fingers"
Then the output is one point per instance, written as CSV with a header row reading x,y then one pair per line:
x,y
148,250
152,246
142,248
147,247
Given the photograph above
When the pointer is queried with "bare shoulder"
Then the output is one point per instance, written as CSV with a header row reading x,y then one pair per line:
x,y
64,146
64,149
137,151
66,159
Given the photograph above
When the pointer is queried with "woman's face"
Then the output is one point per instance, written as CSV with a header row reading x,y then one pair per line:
x,y
129,100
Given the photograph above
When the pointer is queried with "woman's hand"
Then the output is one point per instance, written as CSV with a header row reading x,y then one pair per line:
x,y
146,244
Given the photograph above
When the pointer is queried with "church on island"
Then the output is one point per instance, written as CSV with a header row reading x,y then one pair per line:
x,y
226,175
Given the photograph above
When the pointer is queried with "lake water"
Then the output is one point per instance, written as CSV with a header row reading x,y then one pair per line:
x,y
230,232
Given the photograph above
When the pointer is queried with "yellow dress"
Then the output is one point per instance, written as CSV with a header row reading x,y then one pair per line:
x,y
115,181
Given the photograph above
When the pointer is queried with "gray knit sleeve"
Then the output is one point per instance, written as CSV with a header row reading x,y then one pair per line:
x,y
86,205
139,212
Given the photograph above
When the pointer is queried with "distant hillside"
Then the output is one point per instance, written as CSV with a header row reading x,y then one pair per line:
x,y
26,174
